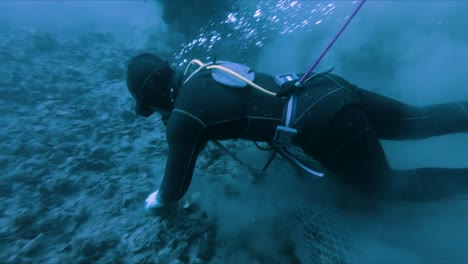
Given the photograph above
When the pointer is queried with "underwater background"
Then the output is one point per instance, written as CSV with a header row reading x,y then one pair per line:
x,y
76,163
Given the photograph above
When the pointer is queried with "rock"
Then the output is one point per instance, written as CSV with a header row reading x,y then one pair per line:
x,y
14,259
114,72
32,245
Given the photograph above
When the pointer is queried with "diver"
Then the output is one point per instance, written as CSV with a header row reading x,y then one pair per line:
x,y
337,123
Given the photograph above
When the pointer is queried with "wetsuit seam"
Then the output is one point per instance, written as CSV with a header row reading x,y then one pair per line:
x,y
246,128
189,162
190,115
398,120
225,121
320,99
203,123
465,112
193,148
339,84
266,118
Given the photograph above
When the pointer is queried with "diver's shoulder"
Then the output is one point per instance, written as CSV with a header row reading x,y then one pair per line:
x,y
263,77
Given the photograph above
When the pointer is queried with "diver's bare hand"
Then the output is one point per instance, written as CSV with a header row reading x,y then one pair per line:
x,y
153,201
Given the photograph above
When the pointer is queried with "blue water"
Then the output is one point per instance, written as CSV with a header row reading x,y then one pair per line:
x,y
76,163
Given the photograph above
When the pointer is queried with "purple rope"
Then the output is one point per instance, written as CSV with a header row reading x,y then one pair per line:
x,y
330,44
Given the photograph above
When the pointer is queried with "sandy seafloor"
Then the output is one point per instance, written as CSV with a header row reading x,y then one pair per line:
x,y
77,164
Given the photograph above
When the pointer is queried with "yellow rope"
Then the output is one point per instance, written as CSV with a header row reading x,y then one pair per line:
x,y
233,73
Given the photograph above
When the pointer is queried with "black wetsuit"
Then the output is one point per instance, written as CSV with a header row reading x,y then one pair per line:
x,y
338,124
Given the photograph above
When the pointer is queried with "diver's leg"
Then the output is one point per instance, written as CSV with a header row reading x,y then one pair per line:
x,y
351,152
426,184
392,119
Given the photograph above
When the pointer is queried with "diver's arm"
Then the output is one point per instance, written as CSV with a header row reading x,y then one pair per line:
x,y
184,135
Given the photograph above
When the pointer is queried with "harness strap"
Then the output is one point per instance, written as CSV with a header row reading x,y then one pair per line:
x,y
289,112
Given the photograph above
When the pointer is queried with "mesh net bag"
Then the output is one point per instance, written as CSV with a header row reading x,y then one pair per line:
x,y
321,234
321,230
